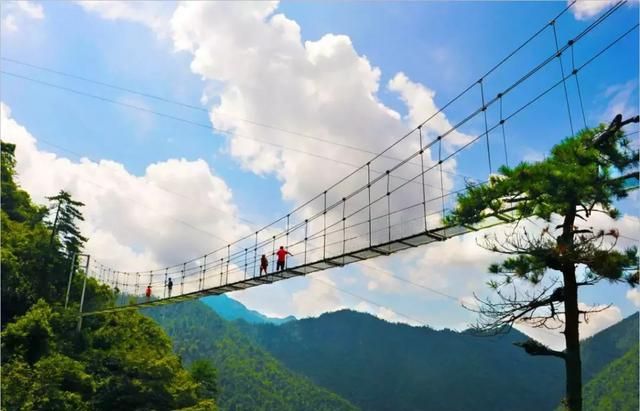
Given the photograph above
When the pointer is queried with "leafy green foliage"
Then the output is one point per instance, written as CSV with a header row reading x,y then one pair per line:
x,y
117,361
577,171
16,203
56,382
206,375
584,174
24,268
35,255
31,337
249,377
123,361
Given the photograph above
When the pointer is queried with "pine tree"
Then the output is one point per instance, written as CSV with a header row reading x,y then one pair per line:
x,y
64,224
583,175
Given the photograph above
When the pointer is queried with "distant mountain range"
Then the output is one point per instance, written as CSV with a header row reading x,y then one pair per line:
x,y
249,378
348,359
382,366
232,310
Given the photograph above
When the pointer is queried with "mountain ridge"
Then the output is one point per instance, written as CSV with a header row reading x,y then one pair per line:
x,y
379,365
233,310
249,377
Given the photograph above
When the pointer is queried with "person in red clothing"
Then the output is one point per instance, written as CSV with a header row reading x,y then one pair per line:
x,y
148,292
282,256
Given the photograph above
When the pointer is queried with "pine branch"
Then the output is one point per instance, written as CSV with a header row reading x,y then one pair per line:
x,y
534,348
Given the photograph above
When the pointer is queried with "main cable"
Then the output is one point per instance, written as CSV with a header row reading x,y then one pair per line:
x,y
462,122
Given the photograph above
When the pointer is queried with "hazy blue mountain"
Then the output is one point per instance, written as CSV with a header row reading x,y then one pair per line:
x,y
231,310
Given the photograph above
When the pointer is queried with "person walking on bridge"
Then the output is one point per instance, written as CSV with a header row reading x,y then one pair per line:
x,y
264,263
282,258
169,286
148,292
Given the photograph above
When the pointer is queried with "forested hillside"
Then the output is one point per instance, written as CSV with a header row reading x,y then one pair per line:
x,y
615,388
339,361
383,366
249,377
609,345
119,361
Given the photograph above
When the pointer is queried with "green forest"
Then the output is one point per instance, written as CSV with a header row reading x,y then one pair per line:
x,y
250,378
376,365
185,356
119,361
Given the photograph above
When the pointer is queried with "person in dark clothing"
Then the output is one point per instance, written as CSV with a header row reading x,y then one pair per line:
x,y
169,286
282,258
264,263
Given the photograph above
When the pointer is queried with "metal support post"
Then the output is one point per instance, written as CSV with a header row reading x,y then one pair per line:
x,y
255,255
84,287
324,230
287,240
204,272
221,270
344,229
184,267
424,194
73,263
228,261
273,254
246,250
389,203
369,206
166,274
306,224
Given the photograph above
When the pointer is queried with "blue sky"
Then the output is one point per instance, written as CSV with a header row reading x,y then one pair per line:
x,y
440,46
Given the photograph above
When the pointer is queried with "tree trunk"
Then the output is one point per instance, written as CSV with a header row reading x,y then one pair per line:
x,y
55,224
573,364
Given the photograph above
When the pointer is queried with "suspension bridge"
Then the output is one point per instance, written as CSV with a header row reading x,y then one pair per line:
x,y
396,201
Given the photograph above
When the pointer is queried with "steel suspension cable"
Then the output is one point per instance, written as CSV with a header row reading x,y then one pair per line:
x,y
440,137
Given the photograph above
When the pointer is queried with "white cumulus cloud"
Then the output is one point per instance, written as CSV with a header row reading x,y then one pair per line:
x,y
585,9
633,295
153,14
320,88
319,297
177,210
15,13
